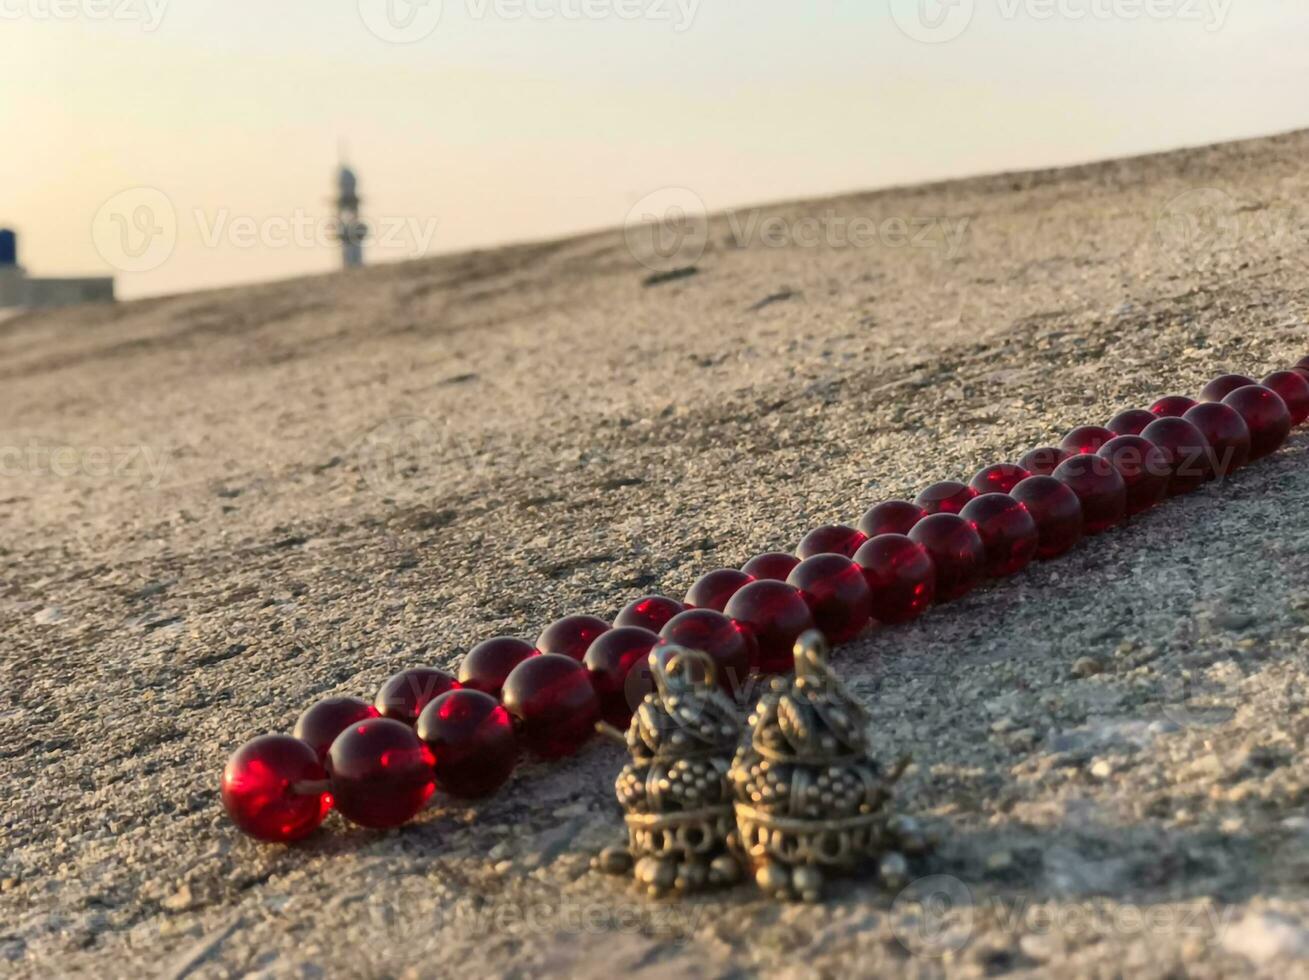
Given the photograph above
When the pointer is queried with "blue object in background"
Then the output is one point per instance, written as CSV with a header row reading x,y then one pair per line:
x,y
8,247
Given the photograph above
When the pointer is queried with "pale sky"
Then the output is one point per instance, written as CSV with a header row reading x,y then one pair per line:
x,y
518,119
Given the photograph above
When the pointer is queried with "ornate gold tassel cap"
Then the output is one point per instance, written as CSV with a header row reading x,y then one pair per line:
x,y
810,799
675,792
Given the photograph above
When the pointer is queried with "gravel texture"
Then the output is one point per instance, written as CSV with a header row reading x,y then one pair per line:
x,y
219,507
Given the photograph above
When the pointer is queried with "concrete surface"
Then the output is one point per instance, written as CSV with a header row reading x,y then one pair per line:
x,y
218,507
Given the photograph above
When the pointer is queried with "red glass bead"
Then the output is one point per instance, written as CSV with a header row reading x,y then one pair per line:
x,y
1056,510
610,662
1302,371
1143,467
837,594
1043,461
712,590
956,551
1187,451
1007,531
1171,405
649,612
571,636
773,564
998,478
404,696
890,517
554,704
1293,389
486,665
835,539
381,773
1303,362
1266,416
946,497
775,615
1223,385
1086,439
1226,433
728,644
1131,422
472,740
1099,488
901,577
320,723
260,785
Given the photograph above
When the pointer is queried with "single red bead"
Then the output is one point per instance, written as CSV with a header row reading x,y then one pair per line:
x,y
1302,371
610,660
1171,405
485,666
837,594
1099,488
553,703
381,773
1043,461
1007,530
835,539
772,564
956,550
649,612
712,589
404,695
571,636
1303,363
1056,510
1187,451
1086,439
472,740
274,788
900,575
1266,416
1293,389
997,478
775,614
320,723
1143,467
1223,385
890,517
728,644
945,497
1226,433
1131,422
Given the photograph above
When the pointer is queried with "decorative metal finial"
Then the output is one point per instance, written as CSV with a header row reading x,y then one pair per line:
x,y
810,799
675,792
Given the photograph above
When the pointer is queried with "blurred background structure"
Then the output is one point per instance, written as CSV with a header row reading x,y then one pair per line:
x,y
18,290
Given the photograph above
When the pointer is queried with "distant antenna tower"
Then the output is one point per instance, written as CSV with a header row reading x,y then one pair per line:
x,y
349,230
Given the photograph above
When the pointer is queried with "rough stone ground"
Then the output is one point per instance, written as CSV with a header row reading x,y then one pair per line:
x,y
270,494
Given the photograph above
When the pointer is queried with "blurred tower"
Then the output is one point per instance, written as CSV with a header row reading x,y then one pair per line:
x,y
349,230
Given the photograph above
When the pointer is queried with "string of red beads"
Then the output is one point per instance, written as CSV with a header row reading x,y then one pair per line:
x,y
378,764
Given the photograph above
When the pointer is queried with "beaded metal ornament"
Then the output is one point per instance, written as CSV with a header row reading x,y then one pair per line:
x,y
674,791
810,799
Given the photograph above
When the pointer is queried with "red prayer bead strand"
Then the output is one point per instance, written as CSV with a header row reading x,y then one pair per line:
x,y
277,788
